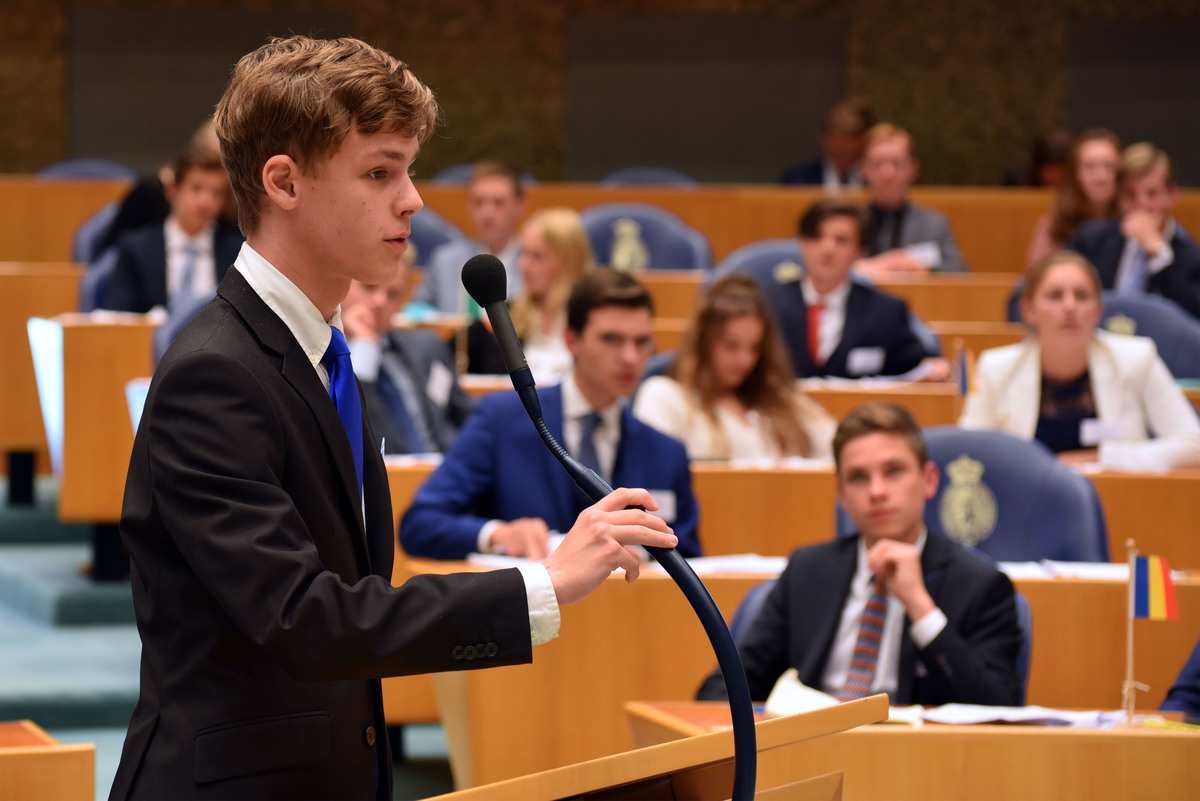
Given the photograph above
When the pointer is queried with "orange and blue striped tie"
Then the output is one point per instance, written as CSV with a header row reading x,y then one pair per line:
x,y
866,650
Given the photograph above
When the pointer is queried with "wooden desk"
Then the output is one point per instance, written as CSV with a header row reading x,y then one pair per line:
x,y
929,404
38,218
976,336
974,297
560,709
987,762
33,765
98,356
28,290
773,510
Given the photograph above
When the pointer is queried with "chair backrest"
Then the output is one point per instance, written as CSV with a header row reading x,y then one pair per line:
x,y
88,169
1025,655
87,236
1012,499
180,317
653,176
638,236
748,609
428,231
760,260
1175,332
94,282
454,174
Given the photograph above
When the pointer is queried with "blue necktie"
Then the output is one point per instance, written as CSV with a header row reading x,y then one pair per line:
x,y
587,442
1134,279
184,291
344,392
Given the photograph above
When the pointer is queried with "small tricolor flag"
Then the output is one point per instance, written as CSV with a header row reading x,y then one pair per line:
x,y
1153,590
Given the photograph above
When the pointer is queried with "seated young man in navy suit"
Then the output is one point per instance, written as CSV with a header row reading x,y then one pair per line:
x,y
500,491
185,257
409,387
895,608
833,324
1145,249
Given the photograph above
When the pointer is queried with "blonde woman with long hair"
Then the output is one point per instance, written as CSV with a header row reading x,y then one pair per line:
x,y
731,393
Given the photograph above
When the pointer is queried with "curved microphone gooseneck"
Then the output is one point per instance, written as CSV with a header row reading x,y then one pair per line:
x,y
485,280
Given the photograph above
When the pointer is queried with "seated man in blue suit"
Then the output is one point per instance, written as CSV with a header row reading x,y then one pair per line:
x,y
1145,249
499,490
842,139
409,387
895,608
833,324
164,263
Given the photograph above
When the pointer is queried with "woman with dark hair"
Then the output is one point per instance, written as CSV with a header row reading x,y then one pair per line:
x,y
1085,393
1088,192
731,393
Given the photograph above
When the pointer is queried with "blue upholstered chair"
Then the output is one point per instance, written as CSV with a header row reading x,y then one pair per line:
x,y
1011,499
180,316
94,282
88,169
648,176
1174,331
429,230
86,241
454,174
638,236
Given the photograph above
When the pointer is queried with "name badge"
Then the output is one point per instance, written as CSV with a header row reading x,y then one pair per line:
x,y
439,384
865,361
927,253
1093,431
666,504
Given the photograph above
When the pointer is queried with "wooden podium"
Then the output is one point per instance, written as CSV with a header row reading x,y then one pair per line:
x,y
693,769
35,765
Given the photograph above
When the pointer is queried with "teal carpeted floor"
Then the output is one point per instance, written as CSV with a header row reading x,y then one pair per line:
x,y
69,651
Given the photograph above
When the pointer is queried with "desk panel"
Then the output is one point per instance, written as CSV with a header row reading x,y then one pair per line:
x,y
38,218
28,290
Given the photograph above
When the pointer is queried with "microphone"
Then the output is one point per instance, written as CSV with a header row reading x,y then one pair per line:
x,y
484,278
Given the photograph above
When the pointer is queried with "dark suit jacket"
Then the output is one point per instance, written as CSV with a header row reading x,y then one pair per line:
x,y
419,351
1102,242
972,661
874,321
810,173
139,280
262,586
498,469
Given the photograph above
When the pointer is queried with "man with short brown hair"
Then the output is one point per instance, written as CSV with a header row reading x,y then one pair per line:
x,y
894,608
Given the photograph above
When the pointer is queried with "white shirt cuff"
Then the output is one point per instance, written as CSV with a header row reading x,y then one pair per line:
x,y
366,357
1160,260
926,630
544,618
485,533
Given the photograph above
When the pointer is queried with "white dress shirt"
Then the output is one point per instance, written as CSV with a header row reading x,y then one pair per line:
x,y
887,671
1155,262
204,272
312,332
833,315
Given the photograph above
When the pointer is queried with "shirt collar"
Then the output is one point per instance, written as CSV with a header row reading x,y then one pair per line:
x,y
576,406
287,300
830,300
177,240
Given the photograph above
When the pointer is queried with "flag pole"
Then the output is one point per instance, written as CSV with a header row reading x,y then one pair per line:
x,y
1127,688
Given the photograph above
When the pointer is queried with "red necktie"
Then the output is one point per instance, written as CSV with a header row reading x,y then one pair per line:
x,y
866,650
814,332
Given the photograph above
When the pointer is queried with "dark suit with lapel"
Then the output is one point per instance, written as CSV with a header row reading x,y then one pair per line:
x,y
419,351
874,321
972,661
498,469
1102,243
262,583
139,280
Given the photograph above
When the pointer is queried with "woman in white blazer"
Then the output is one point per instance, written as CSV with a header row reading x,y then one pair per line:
x,y
1087,394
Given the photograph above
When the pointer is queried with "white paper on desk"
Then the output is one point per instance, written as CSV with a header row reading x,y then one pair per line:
x,y
790,696
1023,570
1104,571
1030,715
739,563
500,560
410,459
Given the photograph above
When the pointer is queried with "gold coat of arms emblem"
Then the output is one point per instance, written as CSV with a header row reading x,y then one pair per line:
x,y
968,507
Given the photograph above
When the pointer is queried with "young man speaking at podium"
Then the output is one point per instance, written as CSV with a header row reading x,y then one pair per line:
x,y
257,516
894,609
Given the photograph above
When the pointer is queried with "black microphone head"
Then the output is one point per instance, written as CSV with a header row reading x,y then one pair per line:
x,y
485,279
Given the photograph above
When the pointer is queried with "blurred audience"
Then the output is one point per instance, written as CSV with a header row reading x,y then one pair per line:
x,y
413,400
901,237
1086,394
1145,249
842,139
495,206
554,253
1088,192
731,392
